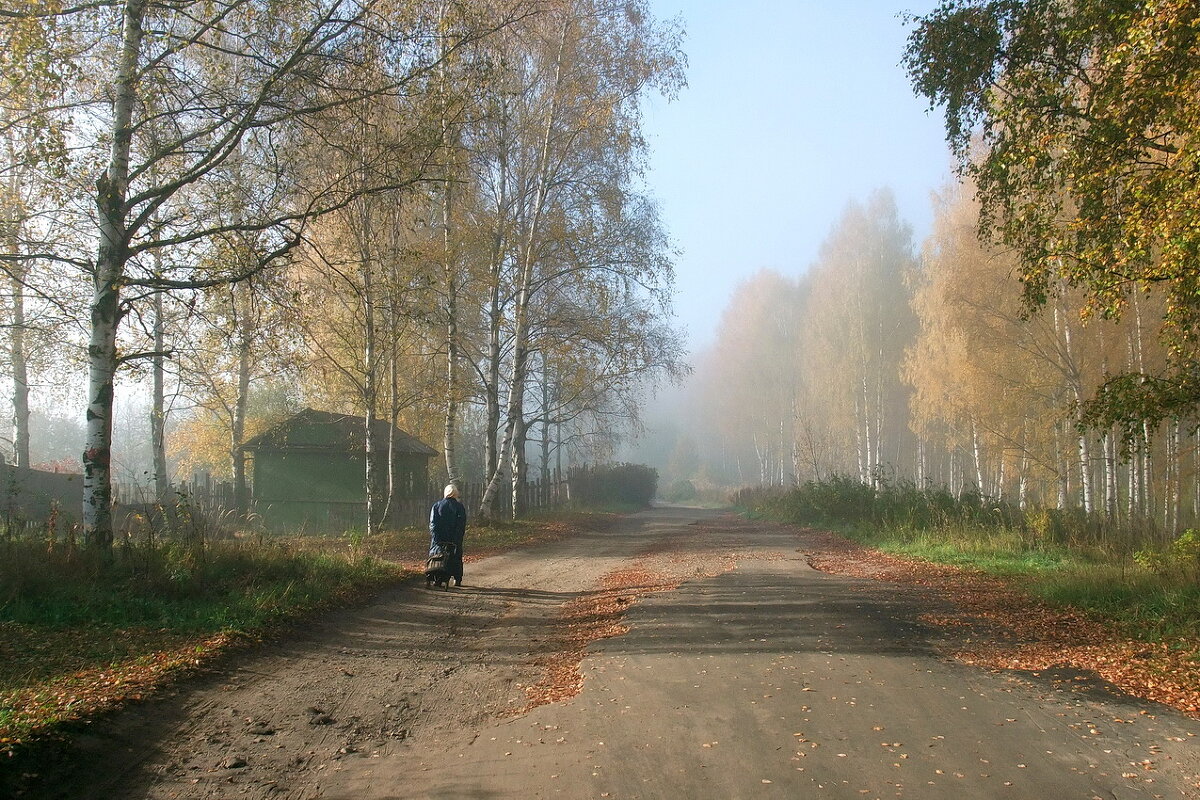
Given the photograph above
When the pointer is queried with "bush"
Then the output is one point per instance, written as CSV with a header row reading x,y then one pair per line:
x,y
614,484
680,492
843,500
1181,557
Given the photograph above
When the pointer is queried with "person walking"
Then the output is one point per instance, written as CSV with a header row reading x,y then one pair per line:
x,y
447,530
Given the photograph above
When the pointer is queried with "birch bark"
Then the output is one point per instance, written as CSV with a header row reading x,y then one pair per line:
x,y
112,190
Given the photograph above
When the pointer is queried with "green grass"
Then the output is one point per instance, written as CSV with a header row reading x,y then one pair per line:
x,y
1149,606
1152,607
995,551
80,630
66,612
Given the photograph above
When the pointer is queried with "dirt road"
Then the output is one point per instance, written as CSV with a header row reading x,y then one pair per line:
x,y
756,676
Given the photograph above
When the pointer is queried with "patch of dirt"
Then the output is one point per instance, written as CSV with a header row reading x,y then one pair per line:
x,y
702,552
281,718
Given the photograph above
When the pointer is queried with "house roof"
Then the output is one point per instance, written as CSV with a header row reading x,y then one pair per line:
x,y
320,431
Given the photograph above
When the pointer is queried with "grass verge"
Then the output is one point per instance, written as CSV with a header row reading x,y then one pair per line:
x,y
1151,606
1067,559
80,633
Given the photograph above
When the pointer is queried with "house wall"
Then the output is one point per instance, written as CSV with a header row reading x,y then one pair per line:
x,y
325,491
306,477
29,495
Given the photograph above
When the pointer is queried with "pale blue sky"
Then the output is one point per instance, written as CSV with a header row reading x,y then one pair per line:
x,y
792,110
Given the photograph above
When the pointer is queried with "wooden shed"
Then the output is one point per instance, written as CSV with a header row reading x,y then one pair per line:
x,y
310,472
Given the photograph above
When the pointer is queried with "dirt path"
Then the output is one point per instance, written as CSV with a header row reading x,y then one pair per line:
x,y
756,677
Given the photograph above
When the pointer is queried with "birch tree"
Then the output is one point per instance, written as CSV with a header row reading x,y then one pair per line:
x,y
177,92
1076,121
862,322
583,74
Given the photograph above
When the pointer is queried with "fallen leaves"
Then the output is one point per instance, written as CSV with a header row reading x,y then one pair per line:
x,y
1007,629
586,619
597,615
27,710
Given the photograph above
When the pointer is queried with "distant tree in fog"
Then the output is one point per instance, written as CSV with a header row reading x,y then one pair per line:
x,y
750,378
858,322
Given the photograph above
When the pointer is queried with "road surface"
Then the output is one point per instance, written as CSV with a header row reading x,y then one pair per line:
x,y
755,677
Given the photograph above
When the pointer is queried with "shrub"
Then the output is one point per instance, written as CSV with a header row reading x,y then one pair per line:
x,y
1181,557
614,484
680,492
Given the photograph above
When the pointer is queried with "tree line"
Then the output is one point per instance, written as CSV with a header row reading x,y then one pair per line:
x,y
1040,346
428,212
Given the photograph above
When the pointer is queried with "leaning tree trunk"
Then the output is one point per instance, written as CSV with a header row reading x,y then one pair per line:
x,y
393,412
369,382
520,468
491,439
516,395
111,192
449,437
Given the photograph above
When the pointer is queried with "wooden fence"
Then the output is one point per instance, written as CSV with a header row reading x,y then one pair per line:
x,y
30,496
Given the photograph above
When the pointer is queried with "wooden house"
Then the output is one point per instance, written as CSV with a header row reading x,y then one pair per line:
x,y
309,472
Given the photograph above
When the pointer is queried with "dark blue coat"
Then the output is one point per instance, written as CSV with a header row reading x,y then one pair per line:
x,y
448,522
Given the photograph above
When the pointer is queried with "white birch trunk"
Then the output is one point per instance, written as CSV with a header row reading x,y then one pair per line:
x,y
1195,478
978,459
1175,482
1085,474
1146,465
12,232
516,393
1023,481
105,313
20,368
495,316
158,404
860,444
1064,472
922,467
1131,500
1110,475
520,467
450,269
370,382
393,414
